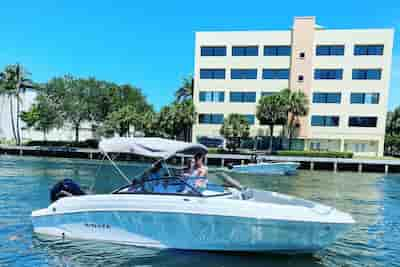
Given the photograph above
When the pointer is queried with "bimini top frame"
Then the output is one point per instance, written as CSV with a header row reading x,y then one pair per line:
x,y
153,147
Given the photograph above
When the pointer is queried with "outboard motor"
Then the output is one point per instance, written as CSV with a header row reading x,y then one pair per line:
x,y
64,188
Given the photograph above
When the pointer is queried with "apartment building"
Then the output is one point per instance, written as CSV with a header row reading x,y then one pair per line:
x,y
345,73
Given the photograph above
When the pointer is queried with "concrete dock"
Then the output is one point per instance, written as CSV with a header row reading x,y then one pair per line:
x,y
310,163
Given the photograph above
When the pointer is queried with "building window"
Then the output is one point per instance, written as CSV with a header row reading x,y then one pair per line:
x,y
213,51
300,78
211,118
367,74
302,55
275,74
330,50
244,74
250,119
327,98
368,50
212,96
274,51
212,74
328,74
364,98
363,121
242,97
244,51
325,121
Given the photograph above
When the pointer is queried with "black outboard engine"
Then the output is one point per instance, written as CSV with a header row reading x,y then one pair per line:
x,y
64,188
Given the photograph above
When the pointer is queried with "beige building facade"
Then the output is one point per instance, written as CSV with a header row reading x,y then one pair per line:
x,y
344,73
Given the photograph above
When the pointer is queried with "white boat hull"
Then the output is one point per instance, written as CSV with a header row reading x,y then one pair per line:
x,y
268,168
193,223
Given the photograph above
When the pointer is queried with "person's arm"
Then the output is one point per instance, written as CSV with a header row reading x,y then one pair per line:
x,y
203,172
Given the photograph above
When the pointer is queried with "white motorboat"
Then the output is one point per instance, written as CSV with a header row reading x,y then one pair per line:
x,y
282,168
170,212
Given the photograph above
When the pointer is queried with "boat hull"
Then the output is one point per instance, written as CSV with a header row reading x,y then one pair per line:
x,y
282,168
170,230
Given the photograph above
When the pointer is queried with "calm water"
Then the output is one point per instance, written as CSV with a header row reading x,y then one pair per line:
x,y
373,200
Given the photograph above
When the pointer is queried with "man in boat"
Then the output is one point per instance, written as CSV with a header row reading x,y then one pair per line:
x,y
198,171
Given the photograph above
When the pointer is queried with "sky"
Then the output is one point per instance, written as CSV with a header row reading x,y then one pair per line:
x,y
150,44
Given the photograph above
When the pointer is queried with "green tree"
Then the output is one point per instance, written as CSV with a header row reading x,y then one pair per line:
x,y
121,120
76,102
185,91
271,111
166,122
14,81
297,106
149,124
392,138
393,122
184,116
235,128
43,115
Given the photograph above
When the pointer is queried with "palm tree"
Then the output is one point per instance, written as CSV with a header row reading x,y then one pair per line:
x,y
297,106
185,92
14,80
271,111
184,116
234,128
393,122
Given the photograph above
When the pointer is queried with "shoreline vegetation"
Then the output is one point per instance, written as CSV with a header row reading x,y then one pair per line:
x,y
68,102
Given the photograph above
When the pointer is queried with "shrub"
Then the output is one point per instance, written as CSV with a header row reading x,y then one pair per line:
x,y
321,154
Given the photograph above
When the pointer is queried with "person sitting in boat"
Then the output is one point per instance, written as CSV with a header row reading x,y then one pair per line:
x,y
198,171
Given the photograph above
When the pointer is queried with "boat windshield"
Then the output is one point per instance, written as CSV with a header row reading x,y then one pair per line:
x,y
174,186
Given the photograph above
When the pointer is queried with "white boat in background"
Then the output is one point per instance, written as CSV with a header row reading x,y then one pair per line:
x,y
169,212
281,168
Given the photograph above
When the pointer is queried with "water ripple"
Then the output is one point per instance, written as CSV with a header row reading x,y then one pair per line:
x,y
373,200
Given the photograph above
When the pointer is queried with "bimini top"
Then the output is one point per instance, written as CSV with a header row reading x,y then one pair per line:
x,y
149,146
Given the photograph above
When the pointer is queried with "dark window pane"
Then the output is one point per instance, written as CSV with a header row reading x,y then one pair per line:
x,y
252,51
363,121
235,97
211,51
220,51
328,74
272,74
244,74
245,51
211,118
212,74
337,50
221,97
364,98
372,98
325,121
366,74
202,96
357,98
242,97
322,51
330,50
333,98
368,50
249,97
317,121
331,121
281,50
211,96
